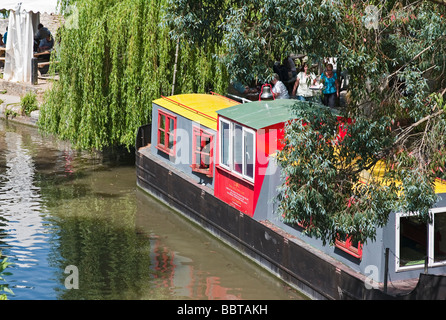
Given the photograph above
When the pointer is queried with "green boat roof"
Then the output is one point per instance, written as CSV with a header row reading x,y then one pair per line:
x,y
262,114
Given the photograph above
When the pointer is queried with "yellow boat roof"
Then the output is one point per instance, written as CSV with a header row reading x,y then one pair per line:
x,y
440,185
201,108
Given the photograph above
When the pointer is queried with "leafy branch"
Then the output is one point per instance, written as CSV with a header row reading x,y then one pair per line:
x,y
4,287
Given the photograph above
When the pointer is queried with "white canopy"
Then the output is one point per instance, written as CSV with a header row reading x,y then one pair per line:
x,y
42,6
23,19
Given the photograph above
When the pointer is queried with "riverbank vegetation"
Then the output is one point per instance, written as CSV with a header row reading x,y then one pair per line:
x,y
28,103
115,58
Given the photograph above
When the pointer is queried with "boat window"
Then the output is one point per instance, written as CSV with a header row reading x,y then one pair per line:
x,y
249,152
413,235
166,132
203,146
224,143
237,149
439,235
161,129
170,133
415,240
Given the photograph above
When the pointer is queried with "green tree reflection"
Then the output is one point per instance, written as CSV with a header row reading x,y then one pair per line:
x,y
97,234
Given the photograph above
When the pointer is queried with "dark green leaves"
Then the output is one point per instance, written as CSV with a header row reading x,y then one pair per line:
x,y
325,170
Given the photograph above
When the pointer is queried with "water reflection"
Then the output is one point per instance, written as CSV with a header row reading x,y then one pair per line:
x,y
23,232
201,267
60,207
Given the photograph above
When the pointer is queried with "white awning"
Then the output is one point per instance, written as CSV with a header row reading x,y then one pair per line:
x,y
23,17
42,6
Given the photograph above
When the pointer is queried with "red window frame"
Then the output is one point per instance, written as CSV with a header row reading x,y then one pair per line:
x,y
347,246
166,132
202,167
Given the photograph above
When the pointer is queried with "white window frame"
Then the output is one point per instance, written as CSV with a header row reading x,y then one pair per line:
x,y
221,144
432,263
231,168
431,233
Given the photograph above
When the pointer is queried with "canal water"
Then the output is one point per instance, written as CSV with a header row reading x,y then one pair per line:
x,y
75,226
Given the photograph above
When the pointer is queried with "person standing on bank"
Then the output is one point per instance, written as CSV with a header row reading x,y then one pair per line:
x,y
301,88
331,86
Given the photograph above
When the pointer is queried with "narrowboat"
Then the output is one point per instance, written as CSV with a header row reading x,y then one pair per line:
x,y
212,159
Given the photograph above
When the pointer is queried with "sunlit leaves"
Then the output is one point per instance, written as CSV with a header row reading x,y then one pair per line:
x,y
117,60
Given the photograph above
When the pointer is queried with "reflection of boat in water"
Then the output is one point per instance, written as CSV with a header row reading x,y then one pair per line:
x,y
211,159
174,272
201,267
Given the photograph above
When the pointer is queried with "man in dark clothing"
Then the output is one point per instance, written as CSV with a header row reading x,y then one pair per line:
x,y
46,44
41,34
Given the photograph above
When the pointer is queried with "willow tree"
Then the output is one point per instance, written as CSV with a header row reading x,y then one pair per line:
x,y
394,52
115,58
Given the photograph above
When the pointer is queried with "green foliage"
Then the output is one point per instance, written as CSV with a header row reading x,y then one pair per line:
x,y
4,13
117,59
10,113
4,287
323,188
28,103
257,33
336,185
196,21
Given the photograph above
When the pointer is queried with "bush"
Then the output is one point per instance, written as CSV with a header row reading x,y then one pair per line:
x,y
28,103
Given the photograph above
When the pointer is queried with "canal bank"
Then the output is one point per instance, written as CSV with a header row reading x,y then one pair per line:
x,y
11,94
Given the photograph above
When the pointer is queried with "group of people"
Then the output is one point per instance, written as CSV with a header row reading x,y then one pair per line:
x,y
43,40
305,85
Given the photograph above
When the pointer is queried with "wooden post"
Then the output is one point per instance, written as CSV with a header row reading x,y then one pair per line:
x,y
34,67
